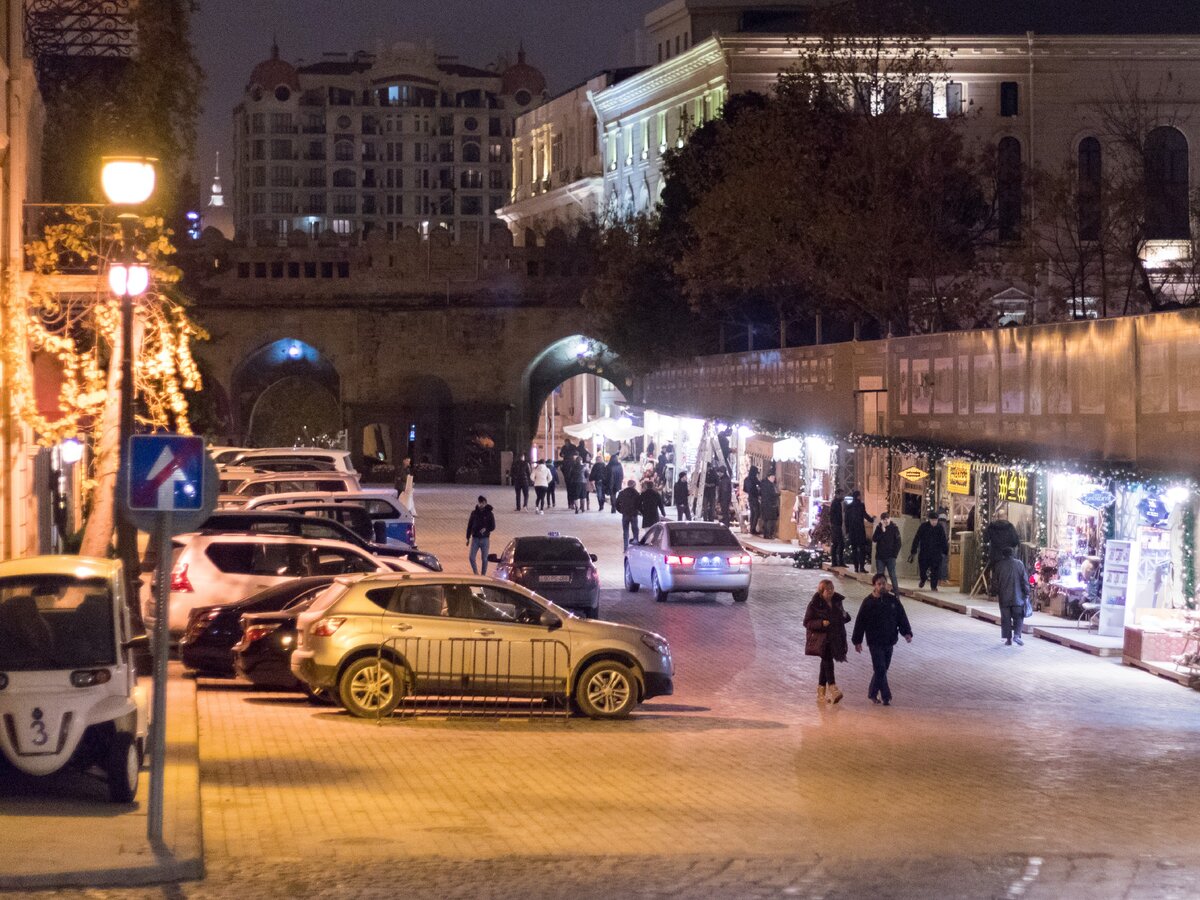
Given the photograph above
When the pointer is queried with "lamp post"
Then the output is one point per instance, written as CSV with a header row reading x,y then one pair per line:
x,y
128,182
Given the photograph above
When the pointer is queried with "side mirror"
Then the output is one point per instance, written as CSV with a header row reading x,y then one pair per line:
x,y
493,558
592,557
551,621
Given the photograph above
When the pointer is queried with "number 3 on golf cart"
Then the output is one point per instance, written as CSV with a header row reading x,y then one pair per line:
x,y
68,690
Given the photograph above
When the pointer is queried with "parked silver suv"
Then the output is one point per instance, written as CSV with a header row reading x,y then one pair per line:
x,y
379,638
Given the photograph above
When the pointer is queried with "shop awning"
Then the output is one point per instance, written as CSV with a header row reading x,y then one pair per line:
x,y
607,427
778,449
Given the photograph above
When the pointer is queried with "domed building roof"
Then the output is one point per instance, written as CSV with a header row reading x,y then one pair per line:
x,y
522,77
271,73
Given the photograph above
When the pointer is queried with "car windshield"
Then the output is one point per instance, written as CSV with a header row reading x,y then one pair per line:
x,y
530,551
55,622
702,537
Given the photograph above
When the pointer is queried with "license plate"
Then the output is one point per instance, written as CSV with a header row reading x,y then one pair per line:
x,y
711,562
554,579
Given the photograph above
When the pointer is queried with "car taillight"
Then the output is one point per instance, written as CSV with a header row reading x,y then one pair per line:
x,y
326,627
179,579
258,632
593,577
680,560
89,677
743,560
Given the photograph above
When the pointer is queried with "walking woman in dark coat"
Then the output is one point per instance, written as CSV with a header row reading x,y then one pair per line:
x,y
825,621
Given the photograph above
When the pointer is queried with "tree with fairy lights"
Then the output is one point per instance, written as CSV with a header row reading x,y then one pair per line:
x,y
80,335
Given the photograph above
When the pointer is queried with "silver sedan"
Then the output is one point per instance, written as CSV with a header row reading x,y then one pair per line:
x,y
673,557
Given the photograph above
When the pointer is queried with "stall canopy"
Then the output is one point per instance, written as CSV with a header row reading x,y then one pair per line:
x,y
778,449
606,427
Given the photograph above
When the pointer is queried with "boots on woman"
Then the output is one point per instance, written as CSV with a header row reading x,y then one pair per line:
x,y
835,695
821,693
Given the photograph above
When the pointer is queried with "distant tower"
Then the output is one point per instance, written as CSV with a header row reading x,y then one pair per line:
x,y
217,215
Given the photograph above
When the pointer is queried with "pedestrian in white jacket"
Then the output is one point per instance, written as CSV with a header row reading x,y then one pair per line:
x,y
541,482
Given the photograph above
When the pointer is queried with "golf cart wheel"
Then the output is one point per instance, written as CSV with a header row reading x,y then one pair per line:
x,y
121,768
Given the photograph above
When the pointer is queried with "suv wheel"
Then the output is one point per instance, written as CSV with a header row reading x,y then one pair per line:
x,y
370,687
660,596
606,690
630,585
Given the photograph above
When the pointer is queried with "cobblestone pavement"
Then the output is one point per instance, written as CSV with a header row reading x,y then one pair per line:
x,y
1032,771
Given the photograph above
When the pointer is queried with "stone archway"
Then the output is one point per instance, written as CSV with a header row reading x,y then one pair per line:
x,y
295,409
289,369
567,357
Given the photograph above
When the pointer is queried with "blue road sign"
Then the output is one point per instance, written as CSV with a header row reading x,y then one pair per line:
x,y
166,473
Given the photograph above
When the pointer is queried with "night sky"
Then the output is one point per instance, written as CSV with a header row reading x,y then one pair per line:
x,y
567,39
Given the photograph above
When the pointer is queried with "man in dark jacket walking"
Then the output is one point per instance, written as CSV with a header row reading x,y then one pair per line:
x,y
725,497
1010,581
930,546
887,548
628,503
837,525
651,505
857,518
750,487
683,511
881,619
616,474
521,475
480,525
599,479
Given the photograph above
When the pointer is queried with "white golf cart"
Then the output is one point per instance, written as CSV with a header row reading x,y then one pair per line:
x,y
68,690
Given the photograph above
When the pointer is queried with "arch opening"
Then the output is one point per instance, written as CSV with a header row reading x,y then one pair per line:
x,y
287,377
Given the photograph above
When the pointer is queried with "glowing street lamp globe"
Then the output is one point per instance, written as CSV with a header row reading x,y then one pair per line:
x,y
128,180
128,280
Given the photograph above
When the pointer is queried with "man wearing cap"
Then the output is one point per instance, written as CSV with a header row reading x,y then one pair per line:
x,y
930,547
480,526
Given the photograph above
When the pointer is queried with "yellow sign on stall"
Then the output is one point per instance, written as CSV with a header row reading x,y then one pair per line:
x,y
958,477
913,474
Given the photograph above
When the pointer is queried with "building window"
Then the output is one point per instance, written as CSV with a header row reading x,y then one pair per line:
x,y
1166,173
925,97
340,226
954,98
258,150
495,152
258,204
281,123
1009,188
281,204
495,202
281,176
343,204
1090,168
556,153
343,151
260,176
495,129
1009,92
281,149
495,179
471,206
343,178
471,179
258,123
470,152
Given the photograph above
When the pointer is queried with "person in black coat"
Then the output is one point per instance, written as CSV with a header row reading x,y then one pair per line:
x,y
599,478
628,503
750,487
857,518
480,525
650,505
825,636
887,548
616,474
683,510
881,619
708,503
930,546
725,497
520,474
837,525
581,486
552,487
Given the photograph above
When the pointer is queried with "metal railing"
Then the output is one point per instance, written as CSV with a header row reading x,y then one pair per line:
x,y
484,676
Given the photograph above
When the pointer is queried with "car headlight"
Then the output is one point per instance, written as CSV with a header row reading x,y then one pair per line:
x,y
657,643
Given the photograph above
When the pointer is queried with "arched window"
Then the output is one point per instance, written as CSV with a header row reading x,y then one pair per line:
x,y
1088,189
343,150
343,178
1008,188
470,151
1167,185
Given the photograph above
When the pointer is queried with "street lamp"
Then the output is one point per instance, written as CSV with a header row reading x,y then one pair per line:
x,y
128,182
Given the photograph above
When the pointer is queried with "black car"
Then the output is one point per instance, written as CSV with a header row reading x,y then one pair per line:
x,y
207,645
557,567
264,654
314,522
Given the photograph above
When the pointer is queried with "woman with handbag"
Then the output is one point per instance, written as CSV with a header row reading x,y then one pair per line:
x,y
825,621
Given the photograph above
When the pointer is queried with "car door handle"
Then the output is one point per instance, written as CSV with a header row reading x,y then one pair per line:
x,y
401,628
486,632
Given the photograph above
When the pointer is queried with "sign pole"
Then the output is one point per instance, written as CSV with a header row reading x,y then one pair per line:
x,y
158,717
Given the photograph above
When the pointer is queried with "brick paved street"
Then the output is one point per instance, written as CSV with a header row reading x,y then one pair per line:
x,y
999,771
